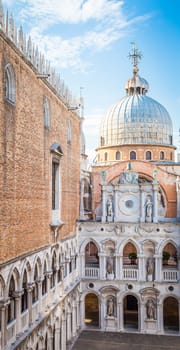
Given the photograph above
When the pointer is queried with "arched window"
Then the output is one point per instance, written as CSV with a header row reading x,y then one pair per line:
x,y
171,156
169,255
24,297
161,155
11,306
118,155
53,267
69,132
59,272
10,91
105,156
129,254
44,281
132,155
46,108
35,287
148,155
91,255
55,181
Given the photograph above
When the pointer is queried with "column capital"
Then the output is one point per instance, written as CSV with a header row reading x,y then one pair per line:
x,y
4,303
18,293
30,286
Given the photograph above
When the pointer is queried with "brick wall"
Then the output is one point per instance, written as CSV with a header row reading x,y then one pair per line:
x,y
25,160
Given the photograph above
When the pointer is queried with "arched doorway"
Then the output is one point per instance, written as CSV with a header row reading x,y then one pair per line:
x,y
91,310
171,314
130,312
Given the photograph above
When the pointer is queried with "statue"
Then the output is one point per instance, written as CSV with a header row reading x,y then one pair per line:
x,y
150,266
110,265
109,207
110,307
150,309
148,211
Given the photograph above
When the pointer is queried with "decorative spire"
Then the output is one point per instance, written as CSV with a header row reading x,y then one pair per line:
x,y
135,56
1,15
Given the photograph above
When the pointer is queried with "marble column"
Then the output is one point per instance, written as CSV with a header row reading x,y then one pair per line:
x,y
63,332
115,204
142,208
57,338
155,202
104,211
17,295
102,266
178,196
78,315
29,291
160,321
3,315
141,317
69,330
158,268
39,296
121,274
74,319
121,316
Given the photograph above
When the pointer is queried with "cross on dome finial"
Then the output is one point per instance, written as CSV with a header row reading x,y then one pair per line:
x,y
135,56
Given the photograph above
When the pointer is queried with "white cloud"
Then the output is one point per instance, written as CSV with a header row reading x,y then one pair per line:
x,y
102,22
70,11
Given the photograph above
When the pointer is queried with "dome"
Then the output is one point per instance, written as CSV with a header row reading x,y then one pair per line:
x,y
136,119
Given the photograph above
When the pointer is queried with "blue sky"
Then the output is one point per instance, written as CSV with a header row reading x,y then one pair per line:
x,y
88,42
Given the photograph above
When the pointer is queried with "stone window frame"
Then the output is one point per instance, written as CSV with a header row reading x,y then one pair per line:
x,y
10,83
46,112
69,132
55,183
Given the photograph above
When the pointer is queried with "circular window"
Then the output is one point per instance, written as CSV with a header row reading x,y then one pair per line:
x,y
91,285
129,203
130,286
171,288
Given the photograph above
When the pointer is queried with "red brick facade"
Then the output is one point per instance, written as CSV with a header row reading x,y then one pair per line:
x,y
25,160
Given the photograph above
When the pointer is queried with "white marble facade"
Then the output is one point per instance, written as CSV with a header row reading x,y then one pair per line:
x,y
113,277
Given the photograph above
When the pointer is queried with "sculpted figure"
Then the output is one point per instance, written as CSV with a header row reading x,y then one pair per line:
x,y
150,266
109,207
149,208
109,264
110,307
150,309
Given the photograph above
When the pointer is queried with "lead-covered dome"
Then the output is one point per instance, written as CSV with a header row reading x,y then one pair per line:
x,y
136,119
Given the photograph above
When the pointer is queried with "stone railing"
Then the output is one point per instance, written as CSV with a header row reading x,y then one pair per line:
x,y
170,275
130,274
92,272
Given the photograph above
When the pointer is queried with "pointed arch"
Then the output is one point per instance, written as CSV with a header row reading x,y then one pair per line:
x,y
2,287
10,86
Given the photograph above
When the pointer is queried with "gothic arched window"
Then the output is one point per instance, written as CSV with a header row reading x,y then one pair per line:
x,y
11,305
10,90
35,287
24,297
46,110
